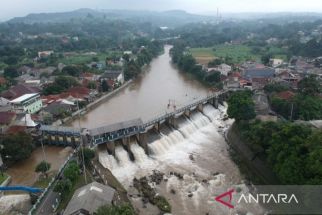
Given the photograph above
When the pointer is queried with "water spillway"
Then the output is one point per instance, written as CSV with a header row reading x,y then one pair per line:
x,y
167,140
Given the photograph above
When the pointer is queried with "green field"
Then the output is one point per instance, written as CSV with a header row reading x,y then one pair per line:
x,y
238,53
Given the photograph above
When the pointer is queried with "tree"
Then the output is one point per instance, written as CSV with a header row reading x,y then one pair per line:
x,y
72,171
11,72
266,58
71,70
124,209
241,106
43,167
215,62
20,150
309,86
60,84
63,186
91,85
105,87
89,154
213,77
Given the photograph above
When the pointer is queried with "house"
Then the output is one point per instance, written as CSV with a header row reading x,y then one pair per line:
x,y
115,75
285,95
87,199
275,62
16,129
6,119
19,90
233,80
28,103
24,69
44,54
260,83
127,52
4,104
224,69
57,108
258,73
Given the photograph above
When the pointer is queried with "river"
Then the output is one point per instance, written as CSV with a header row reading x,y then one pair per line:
x,y
148,96
197,150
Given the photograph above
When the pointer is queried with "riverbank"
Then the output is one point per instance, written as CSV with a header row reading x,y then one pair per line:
x,y
92,105
254,169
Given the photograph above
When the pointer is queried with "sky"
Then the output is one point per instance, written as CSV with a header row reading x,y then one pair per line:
x,y
16,8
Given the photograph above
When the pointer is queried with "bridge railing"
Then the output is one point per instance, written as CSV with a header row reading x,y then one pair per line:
x,y
180,110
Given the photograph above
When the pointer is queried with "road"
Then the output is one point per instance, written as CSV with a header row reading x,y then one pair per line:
x,y
46,206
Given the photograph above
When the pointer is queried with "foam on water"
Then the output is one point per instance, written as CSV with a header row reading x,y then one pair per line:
x,y
138,152
122,156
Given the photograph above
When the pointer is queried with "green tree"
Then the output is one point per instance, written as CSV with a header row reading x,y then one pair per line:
x,y
89,154
72,171
43,167
241,106
309,86
60,84
266,58
91,85
63,186
124,209
71,70
215,62
213,77
16,147
11,72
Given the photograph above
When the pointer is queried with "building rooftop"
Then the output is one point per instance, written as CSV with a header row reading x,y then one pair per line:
x,y
59,129
259,73
24,98
89,198
6,117
19,90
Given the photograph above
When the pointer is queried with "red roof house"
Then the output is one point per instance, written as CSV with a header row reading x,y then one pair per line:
x,y
287,95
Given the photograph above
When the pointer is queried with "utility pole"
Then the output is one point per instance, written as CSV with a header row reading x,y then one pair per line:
x,y
43,149
81,143
291,112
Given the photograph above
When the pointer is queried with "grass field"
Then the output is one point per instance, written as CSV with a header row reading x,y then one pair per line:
x,y
238,53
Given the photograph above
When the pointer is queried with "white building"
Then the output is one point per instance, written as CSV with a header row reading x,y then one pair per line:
x,y
28,103
276,62
224,69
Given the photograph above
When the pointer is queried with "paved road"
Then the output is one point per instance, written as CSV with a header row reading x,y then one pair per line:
x,y
46,207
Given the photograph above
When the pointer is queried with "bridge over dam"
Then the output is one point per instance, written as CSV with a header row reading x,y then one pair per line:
x,y
124,133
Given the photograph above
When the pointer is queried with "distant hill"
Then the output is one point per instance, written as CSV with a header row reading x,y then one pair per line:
x,y
171,18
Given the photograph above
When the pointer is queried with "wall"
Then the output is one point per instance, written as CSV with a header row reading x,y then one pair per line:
x,y
254,164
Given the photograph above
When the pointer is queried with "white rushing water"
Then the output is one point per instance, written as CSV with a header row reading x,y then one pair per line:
x,y
122,156
198,137
139,154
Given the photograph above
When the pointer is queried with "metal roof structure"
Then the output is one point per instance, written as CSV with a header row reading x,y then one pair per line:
x,y
116,127
89,198
24,98
59,129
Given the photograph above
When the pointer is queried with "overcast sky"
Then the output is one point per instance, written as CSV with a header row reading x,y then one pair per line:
x,y
13,8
